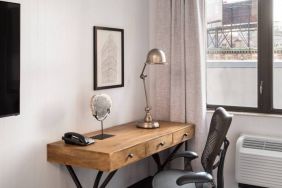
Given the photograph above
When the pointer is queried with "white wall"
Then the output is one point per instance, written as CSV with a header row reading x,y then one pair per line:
x,y
257,124
57,83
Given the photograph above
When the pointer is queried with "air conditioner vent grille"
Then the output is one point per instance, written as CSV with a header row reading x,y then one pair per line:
x,y
259,161
262,144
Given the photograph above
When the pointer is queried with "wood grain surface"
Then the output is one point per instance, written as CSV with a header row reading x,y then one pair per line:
x,y
130,144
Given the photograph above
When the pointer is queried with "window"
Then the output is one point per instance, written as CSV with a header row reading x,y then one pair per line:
x,y
244,55
277,54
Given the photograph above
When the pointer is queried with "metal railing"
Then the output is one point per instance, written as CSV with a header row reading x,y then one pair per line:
x,y
238,64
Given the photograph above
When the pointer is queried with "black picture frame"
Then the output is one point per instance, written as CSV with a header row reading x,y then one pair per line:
x,y
108,52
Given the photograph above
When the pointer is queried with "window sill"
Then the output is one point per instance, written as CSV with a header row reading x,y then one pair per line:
x,y
254,114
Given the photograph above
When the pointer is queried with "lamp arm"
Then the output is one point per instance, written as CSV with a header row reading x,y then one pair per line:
x,y
143,77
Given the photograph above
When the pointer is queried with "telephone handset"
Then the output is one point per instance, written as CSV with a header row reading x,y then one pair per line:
x,y
77,139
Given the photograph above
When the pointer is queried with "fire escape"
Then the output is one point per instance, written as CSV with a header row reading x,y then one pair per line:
x,y
237,30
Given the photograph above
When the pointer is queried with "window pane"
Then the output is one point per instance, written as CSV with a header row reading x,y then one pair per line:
x,y
232,52
277,57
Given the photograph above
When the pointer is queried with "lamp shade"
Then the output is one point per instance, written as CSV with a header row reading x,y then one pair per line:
x,y
156,56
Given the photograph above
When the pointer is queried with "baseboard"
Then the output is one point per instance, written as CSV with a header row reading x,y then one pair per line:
x,y
248,186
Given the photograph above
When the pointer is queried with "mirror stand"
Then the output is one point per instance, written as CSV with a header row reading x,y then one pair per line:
x,y
102,136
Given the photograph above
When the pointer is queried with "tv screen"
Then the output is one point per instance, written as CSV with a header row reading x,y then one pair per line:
x,y
9,59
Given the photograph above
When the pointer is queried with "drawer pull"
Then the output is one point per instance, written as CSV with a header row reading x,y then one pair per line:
x,y
185,135
162,143
131,155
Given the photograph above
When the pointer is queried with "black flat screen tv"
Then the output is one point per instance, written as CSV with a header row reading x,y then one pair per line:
x,y
9,59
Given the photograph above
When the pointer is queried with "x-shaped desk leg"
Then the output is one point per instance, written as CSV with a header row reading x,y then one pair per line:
x,y
97,179
157,159
111,174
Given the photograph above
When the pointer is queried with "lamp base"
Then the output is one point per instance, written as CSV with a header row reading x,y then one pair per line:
x,y
148,125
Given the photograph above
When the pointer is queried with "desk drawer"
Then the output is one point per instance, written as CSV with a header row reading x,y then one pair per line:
x,y
182,135
158,144
127,156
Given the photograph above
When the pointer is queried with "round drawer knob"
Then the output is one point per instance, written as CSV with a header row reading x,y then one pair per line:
x,y
131,155
186,134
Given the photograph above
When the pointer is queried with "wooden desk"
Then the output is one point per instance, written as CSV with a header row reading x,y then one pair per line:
x,y
130,144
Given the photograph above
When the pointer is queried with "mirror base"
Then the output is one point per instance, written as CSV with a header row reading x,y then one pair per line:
x,y
102,136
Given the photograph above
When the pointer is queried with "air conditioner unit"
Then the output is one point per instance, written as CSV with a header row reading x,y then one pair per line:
x,y
259,161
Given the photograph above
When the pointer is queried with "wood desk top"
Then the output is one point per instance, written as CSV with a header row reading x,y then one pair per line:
x,y
129,145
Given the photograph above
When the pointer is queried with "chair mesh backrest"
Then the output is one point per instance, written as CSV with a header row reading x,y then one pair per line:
x,y
219,126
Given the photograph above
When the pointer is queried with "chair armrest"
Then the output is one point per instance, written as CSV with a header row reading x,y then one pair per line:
x,y
190,155
195,177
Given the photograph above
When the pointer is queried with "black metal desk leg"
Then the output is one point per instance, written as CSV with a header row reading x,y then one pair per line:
x,y
157,160
97,180
170,156
108,179
74,177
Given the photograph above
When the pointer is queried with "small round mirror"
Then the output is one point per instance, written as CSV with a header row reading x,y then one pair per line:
x,y
101,106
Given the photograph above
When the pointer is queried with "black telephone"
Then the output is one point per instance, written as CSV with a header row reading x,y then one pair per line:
x,y
77,139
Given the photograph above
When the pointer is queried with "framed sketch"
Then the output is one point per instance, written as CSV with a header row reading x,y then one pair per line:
x,y
108,58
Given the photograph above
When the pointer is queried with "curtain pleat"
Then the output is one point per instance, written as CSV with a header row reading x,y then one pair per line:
x,y
195,72
177,91
177,62
159,88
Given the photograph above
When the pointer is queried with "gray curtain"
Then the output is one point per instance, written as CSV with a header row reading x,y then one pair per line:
x,y
177,91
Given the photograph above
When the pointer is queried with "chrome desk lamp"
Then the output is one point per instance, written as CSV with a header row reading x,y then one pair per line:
x,y
154,57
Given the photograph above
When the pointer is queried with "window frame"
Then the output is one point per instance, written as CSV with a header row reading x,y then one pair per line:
x,y
264,64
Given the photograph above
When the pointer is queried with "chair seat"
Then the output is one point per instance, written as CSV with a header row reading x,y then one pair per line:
x,y
167,179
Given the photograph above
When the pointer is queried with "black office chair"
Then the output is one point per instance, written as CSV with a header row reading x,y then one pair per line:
x,y
216,146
